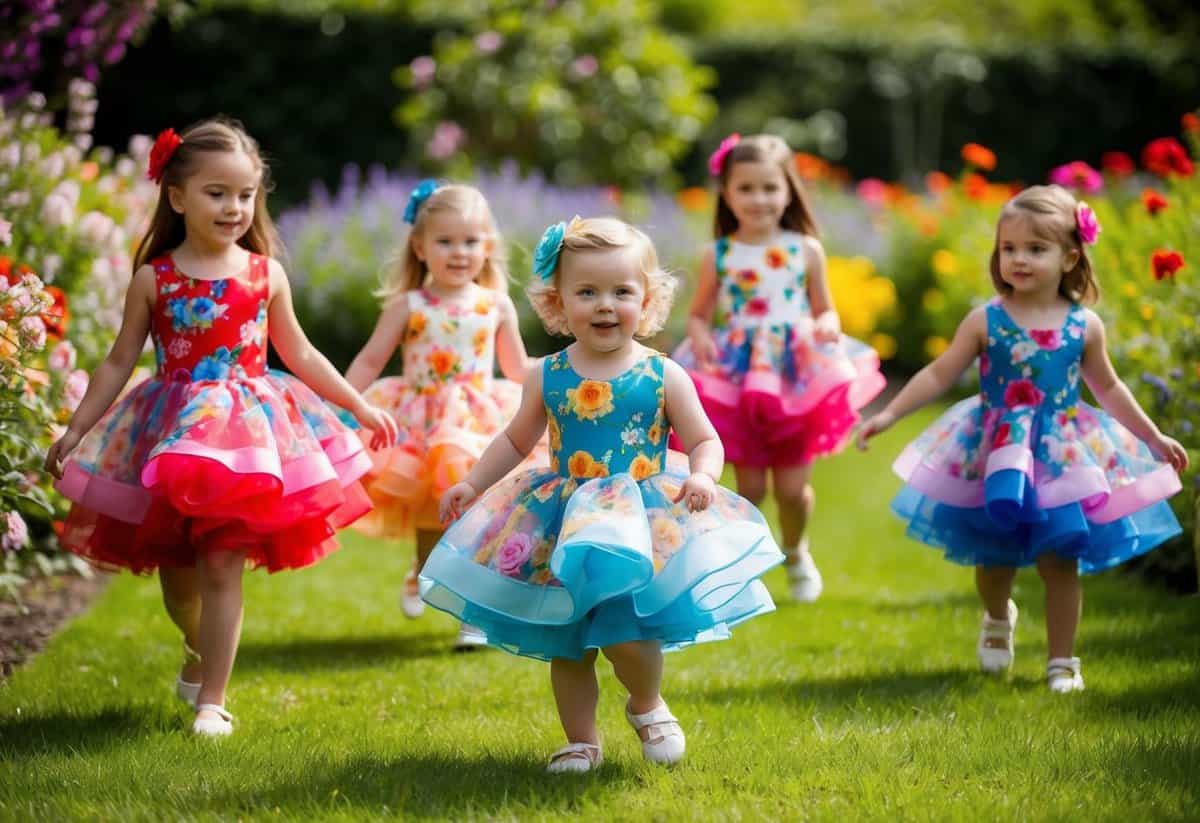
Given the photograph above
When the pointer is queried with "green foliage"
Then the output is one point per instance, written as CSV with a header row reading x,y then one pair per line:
x,y
585,91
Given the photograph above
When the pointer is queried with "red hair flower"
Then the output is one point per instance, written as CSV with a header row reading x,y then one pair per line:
x,y
1166,263
1166,156
164,149
1153,201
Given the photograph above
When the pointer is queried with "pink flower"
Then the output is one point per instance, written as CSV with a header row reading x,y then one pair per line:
x,y
757,307
33,333
985,364
15,533
716,161
872,191
1086,222
5,232
513,554
1022,393
447,137
488,42
1077,175
422,69
1046,338
585,65
62,356
75,388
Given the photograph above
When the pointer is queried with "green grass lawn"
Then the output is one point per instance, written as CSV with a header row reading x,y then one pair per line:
x,y
866,704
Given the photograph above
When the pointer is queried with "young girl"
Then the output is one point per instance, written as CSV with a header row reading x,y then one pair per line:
x,y
1025,473
605,550
447,304
214,462
781,383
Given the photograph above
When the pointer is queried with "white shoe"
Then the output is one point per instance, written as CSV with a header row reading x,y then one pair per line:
x,y
804,577
184,690
575,758
665,742
219,726
469,637
997,659
410,599
1063,674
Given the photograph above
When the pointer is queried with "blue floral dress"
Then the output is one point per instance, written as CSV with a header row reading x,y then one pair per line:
x,y
1025,468
593,551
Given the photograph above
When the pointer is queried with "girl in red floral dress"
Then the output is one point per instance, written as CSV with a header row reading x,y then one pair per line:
x,y
215,462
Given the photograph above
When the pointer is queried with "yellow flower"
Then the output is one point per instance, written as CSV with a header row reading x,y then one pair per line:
x,y
592,399
1129,289
934,346
944,263
442,361
933,300
1147,311
541,552
541,577
665,534
884,345
416,326
480,340
643,467
580,464
555,434
483,305
654,433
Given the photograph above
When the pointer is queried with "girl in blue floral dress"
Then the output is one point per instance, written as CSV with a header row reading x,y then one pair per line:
x,y
609,549
1025,473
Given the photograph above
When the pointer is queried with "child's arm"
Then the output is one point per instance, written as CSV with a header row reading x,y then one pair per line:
x,y
389,331
504,453
1118,401
706,455
827,326
313,368
704,301
510,348
110,376
933,380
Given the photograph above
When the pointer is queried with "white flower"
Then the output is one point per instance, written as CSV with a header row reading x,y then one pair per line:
x,y
33,333
249,332
631,437
10,155
5,232
95,227
54,165
125,167
1023,351
57,211
51,264
179,347
139,146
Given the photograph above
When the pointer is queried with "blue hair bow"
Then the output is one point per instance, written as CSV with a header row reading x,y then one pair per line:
x,y
545,257
418,197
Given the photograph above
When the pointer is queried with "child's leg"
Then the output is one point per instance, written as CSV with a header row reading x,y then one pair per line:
x,y
639,667
426,540
994,584
576,693
751,483
1064,602
220,576
181,596
795,496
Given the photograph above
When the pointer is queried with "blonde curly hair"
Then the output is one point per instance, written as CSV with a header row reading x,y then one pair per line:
x,y
598,234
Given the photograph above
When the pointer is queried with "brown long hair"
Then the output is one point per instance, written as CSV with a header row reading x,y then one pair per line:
x,y
216,134
766,148
1051,209
406,271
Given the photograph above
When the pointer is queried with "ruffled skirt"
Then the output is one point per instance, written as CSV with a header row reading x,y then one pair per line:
x,y
176,468
777,398
549,568
1003,487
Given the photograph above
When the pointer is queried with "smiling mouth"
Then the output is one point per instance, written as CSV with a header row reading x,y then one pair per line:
x,y
605,325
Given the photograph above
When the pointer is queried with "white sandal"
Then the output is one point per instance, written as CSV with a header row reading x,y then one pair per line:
x,y
410,597
575,758
804,578
220,726
1063,675
994,659
665,742
184,690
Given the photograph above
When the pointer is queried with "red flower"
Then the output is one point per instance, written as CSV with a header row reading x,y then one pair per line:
x,y
5,268
1046,338
757,306
979,156
1166,263
1166,156
1000,438
1153,201
976,186
164,149
1022,393
1118,163
1191,123
57,314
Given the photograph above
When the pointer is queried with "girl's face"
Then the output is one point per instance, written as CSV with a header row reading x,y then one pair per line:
x,y
217,199
453,247
1029,261
603,294
757,194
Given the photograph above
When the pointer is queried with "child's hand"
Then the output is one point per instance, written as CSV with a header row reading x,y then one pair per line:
x,y
455,501
382,425
698,491
1170,449
827,328
873,426
59,451
703,347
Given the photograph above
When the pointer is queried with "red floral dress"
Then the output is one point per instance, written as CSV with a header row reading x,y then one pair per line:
x,y
214,452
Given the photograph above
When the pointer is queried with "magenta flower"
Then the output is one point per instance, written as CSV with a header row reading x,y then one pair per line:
x,y
1048,339
1088,225
716,161
513,554
872,191
1077,175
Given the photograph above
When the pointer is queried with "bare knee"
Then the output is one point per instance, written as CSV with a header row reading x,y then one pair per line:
x,y
1055,570
222,570
753,489
801,498
633,652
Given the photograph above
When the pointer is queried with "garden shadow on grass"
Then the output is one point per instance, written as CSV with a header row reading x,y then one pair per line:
x,y
23,736
347,652
441,785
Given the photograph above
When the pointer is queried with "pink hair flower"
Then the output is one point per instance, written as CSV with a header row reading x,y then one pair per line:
x,y
1086,222
716,162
